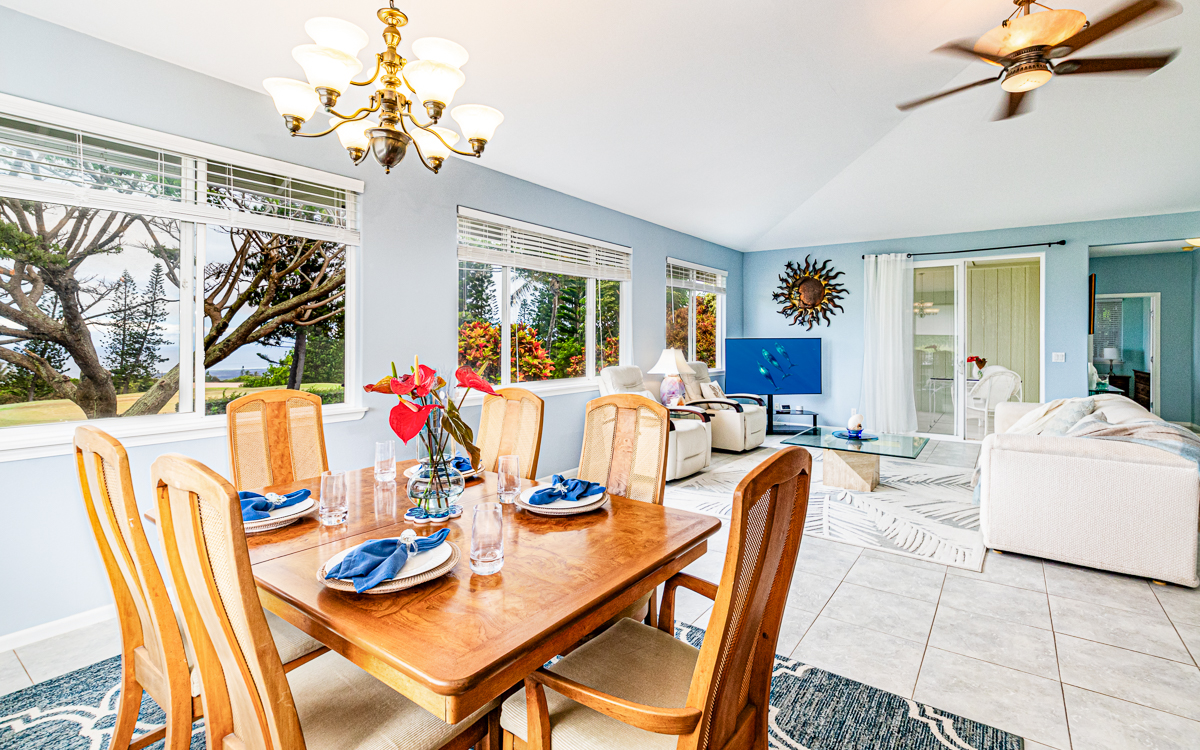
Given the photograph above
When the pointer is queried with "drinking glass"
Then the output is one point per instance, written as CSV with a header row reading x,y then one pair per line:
x,y
385,461
335,505
508,481
487,539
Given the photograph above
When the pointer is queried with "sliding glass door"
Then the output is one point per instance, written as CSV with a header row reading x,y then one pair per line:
x,y
936,350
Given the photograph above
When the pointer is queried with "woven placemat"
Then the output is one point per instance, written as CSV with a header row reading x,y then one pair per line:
x,y
391,587
270,524
543,510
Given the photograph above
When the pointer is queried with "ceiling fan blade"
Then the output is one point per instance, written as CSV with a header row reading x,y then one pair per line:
x,y
968,49
918,102
1108,25
1123,64
1016,104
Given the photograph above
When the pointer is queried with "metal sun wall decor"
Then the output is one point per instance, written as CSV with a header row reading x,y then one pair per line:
x,y
808,293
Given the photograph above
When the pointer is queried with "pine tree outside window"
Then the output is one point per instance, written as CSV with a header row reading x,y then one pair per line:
x,y
537,304
695,321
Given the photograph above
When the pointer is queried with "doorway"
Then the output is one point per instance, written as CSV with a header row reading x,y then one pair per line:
x,y
1129,324
989,311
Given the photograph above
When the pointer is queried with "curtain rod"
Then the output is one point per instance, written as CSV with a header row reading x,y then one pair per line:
x,y
982,249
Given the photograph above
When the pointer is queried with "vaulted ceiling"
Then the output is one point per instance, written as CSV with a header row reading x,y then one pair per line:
x,y
760,124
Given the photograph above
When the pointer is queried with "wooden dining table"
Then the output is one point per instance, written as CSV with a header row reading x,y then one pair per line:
x,y
455,643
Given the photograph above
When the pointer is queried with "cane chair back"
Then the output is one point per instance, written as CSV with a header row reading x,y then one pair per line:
x,y
732,681
511,424
152,648
625,446
275,437
247,700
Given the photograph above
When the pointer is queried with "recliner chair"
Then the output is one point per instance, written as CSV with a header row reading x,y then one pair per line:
x,y
739,420
689,443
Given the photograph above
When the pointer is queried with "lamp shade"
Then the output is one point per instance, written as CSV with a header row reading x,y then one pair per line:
x,y
430,146
478,122
337,34
1047,27
672,362
440,50
1110,353
353,134
292,98
433,81
1195,241
327,67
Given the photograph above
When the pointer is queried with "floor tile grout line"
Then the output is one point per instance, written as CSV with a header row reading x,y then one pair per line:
x,y
928,636
1123,648
1174,627
823,605
1057,664
1132,703
23,667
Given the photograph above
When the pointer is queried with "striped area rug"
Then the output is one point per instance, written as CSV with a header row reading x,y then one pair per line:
x,y
919,510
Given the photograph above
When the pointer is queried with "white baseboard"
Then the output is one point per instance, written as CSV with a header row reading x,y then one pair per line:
x,y
568,474
56,627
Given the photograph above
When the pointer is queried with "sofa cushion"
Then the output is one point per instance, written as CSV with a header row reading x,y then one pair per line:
x,y
1054,418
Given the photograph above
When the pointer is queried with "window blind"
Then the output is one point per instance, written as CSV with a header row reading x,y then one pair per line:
x,y
695,278
1108,327
184,185
519,245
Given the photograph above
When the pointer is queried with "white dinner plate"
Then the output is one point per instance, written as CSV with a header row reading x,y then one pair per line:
x,y
413,470
298,509
415,565
587,502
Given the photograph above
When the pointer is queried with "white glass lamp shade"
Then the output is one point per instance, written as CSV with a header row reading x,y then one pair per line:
x,y
477,121
327,67
671,362
337,34
292,98
430,146
1110,353
440,50
434,81
1047,27
354,134
1195,241
1025,80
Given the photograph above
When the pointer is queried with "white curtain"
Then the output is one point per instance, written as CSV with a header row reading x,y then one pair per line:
x,y
888,404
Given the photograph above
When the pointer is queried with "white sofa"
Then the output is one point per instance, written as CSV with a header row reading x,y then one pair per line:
x,y
1107,504
689,444
739,420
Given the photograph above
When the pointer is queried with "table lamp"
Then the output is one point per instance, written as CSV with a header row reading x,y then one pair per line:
x,y
670,365
1111,354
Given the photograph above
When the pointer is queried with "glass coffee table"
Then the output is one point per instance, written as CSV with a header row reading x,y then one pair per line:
x,y
854,464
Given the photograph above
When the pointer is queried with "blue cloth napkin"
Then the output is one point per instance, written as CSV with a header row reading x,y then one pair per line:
x,y
379,560
256,507
565,489
463,464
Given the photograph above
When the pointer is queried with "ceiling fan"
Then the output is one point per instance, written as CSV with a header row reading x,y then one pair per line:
x,y
1030,48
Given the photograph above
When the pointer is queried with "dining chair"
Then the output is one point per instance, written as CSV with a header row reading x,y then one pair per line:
x,y
511,424
625,446
248,700
689,442
154,653
638,686
275,437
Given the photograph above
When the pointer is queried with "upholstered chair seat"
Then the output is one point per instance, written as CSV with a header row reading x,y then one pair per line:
x,y
738,420
689,443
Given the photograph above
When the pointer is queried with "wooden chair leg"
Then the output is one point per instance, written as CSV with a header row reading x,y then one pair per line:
x,y
128,708
652,609
495,735
148,739
537,716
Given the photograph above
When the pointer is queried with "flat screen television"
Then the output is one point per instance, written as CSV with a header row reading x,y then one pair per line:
x,y
773,366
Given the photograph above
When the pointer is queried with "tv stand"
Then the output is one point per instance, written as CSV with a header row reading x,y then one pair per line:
x,y
787,428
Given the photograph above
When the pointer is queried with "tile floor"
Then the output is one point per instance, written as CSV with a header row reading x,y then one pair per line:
x,y
1069,658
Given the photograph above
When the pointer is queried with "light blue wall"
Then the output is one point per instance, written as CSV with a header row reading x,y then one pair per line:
x,y
1170,274
407,280
1066,310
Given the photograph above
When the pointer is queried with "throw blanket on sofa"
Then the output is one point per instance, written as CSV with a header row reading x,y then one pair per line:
x,y
1152,432
1035,421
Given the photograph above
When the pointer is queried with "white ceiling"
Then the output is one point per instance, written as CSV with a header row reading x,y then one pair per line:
x,y
757,125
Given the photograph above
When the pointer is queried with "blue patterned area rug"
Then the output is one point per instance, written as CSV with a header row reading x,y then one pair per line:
x,y
811,709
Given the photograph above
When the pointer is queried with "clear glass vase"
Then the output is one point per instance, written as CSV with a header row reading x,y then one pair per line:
x,y
435,483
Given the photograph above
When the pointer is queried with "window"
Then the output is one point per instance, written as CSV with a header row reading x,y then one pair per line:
x,y
1108,328
137,280
536,304
696,312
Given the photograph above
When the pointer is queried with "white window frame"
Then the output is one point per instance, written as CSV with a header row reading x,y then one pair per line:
x,y
720,312
558,386
55,439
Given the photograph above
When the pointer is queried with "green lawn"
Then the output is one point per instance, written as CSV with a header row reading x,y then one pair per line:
x,y
61,410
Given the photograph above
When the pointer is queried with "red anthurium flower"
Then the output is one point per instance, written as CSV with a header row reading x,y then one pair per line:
x,y
383,386
425,381
407,419
403,386
468,379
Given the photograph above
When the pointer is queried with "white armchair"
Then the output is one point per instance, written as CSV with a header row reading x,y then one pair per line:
x,y
739,420
689,443
996,386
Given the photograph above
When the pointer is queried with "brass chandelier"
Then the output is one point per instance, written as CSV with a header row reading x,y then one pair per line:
x,y
330,66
